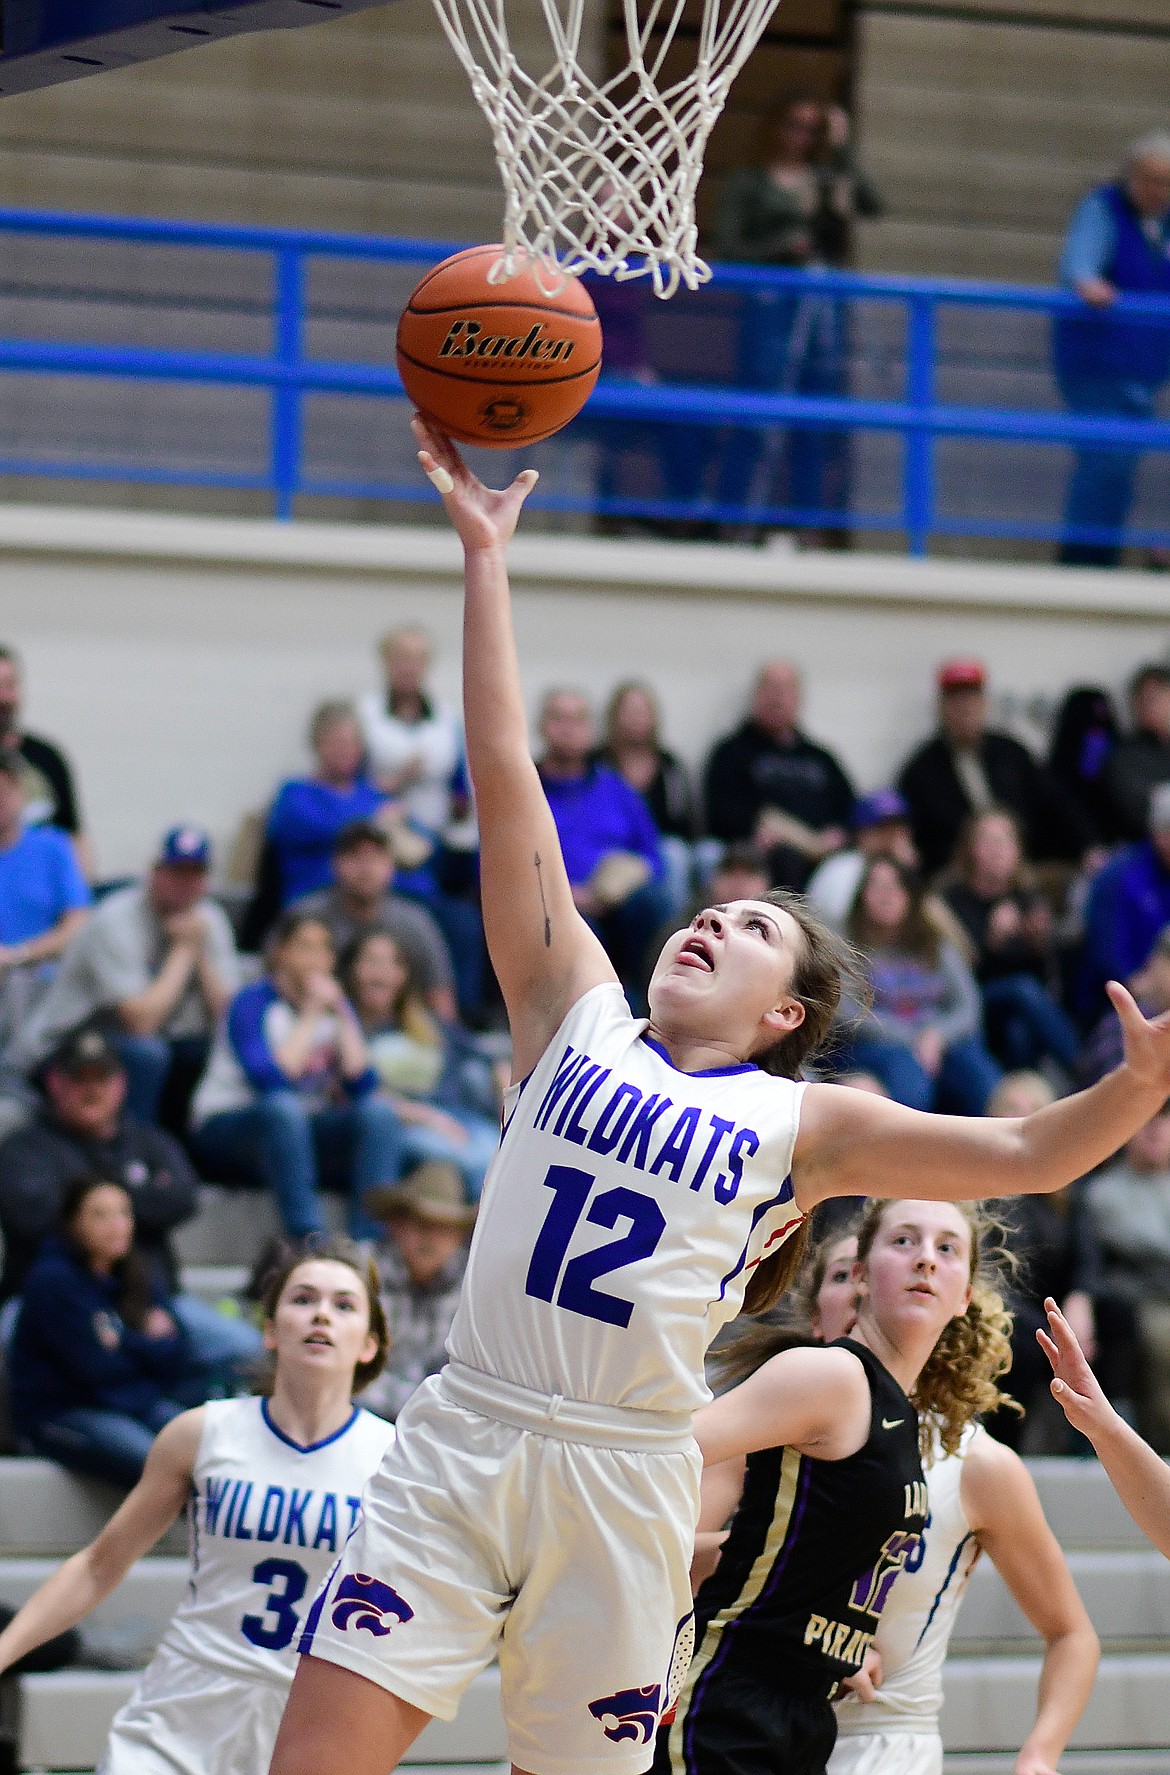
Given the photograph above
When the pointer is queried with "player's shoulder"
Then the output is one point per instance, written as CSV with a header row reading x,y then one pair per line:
x,y
231,1416
372,1431
995,1481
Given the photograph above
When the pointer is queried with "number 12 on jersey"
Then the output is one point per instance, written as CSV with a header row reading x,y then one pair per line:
x,y
571,1188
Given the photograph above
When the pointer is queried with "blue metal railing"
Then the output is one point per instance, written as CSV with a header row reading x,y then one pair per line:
x,y
680,412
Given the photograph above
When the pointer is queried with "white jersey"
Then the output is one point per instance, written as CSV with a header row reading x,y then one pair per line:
x,y
268,1520
916,1625
623,1215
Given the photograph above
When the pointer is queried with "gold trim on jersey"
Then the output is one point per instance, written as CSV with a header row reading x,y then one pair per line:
x,y
753,1584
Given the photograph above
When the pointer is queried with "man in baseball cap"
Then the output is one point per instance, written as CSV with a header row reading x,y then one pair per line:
x,y
157,964
969,767
420,1259
880,824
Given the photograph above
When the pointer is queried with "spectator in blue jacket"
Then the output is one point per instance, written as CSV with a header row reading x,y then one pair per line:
x,y
309,812
1128,906
1118,244
99,1362
608,836
289,1100
43,899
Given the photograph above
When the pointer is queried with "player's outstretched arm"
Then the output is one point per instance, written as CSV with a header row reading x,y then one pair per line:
x,y
89,1576
816,1401
851,1143
1002,1505
544,954
1140,1478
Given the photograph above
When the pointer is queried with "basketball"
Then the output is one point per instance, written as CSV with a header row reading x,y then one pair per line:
x,y
497,364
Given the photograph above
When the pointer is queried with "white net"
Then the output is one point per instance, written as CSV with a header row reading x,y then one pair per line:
x,y
602,175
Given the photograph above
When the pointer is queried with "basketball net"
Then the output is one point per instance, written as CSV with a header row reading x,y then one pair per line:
x,y
602,176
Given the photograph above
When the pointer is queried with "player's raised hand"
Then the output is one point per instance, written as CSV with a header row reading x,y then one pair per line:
x,y
484,517
1146,1040
1074,1386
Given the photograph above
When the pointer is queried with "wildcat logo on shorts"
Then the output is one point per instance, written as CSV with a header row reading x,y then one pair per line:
x,y
362,1603
633,1713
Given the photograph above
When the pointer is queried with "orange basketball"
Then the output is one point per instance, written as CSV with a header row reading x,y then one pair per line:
x,y
497,364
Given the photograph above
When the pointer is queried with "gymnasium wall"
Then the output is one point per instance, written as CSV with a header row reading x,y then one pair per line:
x,y
178,659
984,124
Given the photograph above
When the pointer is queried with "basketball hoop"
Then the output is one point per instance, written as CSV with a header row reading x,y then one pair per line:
x,y
602,176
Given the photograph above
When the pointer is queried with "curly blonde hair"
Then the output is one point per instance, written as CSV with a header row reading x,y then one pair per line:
x,y
957,1383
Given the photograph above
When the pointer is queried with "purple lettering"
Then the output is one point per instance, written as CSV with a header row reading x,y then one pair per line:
x,y
611,1122
641,1129
720,1129
574,1130
672,1154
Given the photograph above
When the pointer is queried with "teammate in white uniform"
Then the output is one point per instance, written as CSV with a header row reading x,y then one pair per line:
x,y
540,1500
274,1489
982,1500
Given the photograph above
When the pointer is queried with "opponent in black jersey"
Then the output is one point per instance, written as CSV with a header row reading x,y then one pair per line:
x,y
833,1506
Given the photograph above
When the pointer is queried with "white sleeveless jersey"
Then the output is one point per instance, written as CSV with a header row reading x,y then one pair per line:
x,y
623,1215
267,1522
916,1625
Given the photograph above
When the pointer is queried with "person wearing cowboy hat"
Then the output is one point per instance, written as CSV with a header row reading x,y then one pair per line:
x,y
420,1258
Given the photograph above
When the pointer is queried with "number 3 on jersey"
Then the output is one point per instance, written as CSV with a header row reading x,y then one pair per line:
x,y
288,1581
571,1188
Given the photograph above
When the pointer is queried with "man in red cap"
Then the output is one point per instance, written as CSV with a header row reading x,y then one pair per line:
x,y
968,767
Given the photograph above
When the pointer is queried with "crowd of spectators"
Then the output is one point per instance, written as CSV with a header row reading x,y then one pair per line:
x,y
341,1032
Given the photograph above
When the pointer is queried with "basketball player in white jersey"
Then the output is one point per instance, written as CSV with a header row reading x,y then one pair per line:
x,y
540,1501
274,1488
982,1500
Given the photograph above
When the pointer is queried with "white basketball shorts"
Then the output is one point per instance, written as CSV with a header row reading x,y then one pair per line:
x,y
887,1753
554,1535
186,1718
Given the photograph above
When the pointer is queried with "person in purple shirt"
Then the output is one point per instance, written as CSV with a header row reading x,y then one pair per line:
x,y
309,812
608,837
1128,906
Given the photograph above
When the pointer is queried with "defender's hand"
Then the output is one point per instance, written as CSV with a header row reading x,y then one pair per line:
x,y
1075,1387
1146,1040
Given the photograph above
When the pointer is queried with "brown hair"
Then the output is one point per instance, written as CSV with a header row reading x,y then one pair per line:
x,y
918,936
132,1272
823,962
794,1325
958,1381
331,1250
963,862
409,1010
614,704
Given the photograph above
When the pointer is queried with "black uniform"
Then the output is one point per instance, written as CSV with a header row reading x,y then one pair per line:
x,y
793,1605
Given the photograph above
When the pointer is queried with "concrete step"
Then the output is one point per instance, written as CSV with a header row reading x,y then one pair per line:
x,y
215,1281
1082,1506
233,1226
990,1703
62,1720
139,1609
1126,1593
48,1513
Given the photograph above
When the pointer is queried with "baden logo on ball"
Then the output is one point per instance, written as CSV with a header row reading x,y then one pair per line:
x,y
497,363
